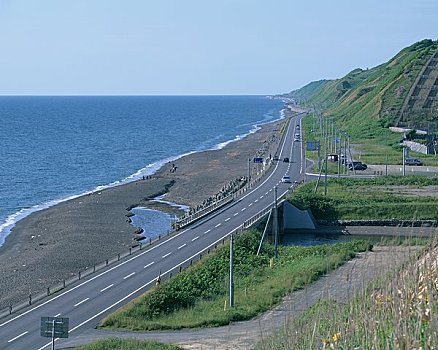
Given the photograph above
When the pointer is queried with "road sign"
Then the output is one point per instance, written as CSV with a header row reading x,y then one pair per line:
x,y
54,327
258,160
312,145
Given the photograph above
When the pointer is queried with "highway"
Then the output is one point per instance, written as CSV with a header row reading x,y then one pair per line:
x,y
93,298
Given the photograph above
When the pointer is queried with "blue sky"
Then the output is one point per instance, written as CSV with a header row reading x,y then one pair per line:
x,y
176,47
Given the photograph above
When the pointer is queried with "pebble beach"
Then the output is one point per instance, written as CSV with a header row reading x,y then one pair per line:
x,y
54,244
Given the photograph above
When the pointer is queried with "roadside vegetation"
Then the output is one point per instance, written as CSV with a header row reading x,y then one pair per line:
x,y
198,296
378,198
127,344
397,312
382,149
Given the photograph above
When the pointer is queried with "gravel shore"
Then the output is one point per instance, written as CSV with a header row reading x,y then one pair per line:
x,y
54,244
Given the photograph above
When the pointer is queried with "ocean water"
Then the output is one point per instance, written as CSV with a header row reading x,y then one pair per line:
x,y
56,148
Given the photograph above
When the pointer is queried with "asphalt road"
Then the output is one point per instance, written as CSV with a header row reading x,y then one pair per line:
x,y
87,302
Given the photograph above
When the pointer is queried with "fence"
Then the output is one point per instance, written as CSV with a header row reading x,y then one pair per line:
x,y
34,298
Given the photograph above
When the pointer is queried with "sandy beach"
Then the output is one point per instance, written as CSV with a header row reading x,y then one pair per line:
x,y
54,244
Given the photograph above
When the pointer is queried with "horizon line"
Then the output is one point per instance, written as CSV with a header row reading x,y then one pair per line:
x,y
130,95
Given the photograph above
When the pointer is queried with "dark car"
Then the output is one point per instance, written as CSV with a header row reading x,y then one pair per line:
x,y
413,161
286,160
276,158
357,166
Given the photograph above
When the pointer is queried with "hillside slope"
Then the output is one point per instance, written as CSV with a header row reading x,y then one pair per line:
x,y
402,91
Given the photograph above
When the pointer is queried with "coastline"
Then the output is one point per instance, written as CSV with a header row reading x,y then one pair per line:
x,y
55,243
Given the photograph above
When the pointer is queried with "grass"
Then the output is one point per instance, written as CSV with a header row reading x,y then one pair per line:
x,y
127,344
383,148
369,199
397,312
198,296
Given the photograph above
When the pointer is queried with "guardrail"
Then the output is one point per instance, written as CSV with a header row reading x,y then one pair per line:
x,y
186,221
34,298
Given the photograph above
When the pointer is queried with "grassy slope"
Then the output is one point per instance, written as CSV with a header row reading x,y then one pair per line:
x,y
195,297
127,344
397,312
365,102
373,199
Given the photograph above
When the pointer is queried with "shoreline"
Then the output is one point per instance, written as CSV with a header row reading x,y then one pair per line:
x,y
55,243
11,220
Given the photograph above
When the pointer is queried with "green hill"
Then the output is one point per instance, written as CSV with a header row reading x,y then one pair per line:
x,y
401,92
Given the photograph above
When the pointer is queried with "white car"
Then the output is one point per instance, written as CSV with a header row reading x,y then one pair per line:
x,y
286,179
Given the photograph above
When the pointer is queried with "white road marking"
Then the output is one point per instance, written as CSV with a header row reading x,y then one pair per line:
x,y
132,293
131,274
250,204
57,315
18,336
235,214
261,197
121,264
166,255
218,225
227,219
266,193
194,239
182,246
256,201
81,302
207,231
103,290
151,263
243,209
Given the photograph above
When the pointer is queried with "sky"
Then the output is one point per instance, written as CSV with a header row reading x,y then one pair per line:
x,y
198,47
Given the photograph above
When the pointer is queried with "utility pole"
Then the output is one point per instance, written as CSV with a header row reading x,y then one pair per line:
x,y
231,273
345,155
325,178
339,156
249,172
404,161
275,223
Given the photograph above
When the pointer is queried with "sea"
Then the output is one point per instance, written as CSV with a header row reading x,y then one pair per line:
x,y
54,148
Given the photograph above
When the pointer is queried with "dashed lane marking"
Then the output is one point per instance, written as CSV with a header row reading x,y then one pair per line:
x,y
18,336
250,204
81,302
207,231
182,246
151,263
57,315
261,197
243,209
194,239
103,290
227,219
166,255
131,274
218,225
235,214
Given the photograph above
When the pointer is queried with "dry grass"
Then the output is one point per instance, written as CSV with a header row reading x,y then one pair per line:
x,y
398,312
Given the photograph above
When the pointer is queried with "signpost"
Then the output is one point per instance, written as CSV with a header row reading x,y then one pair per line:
x,y
54,327
312,145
